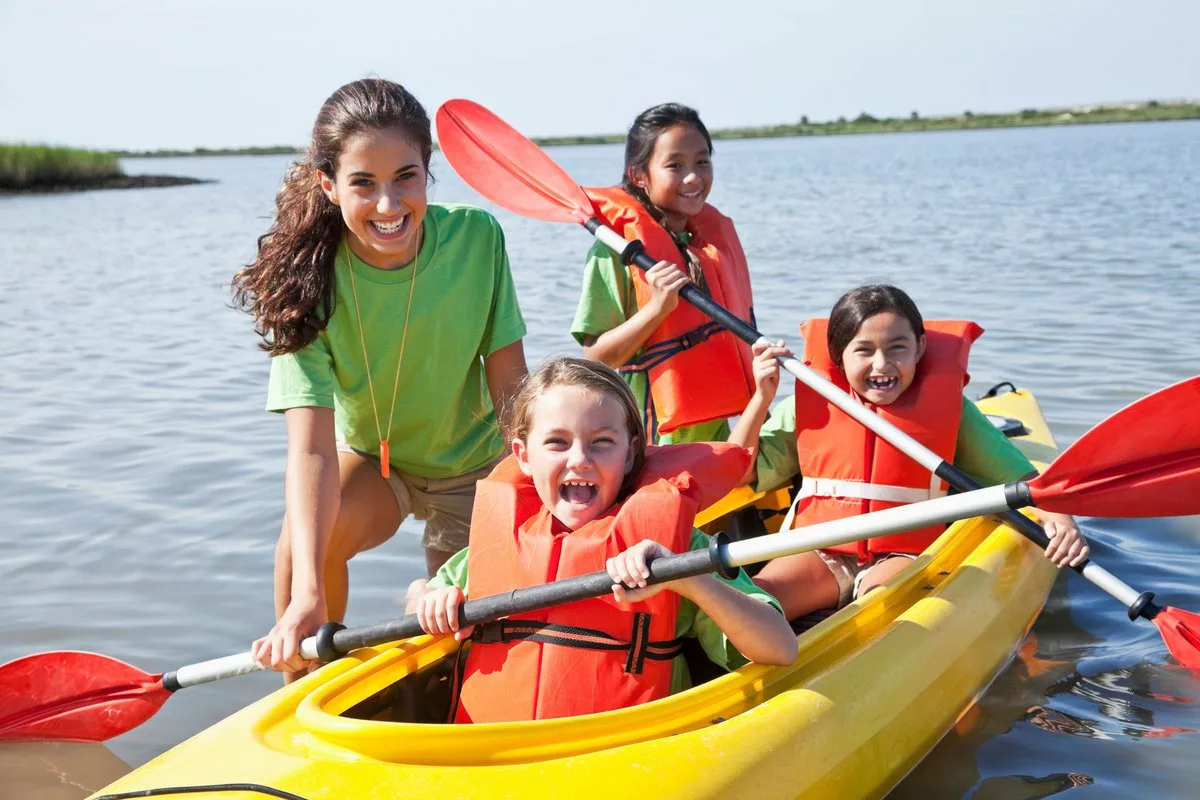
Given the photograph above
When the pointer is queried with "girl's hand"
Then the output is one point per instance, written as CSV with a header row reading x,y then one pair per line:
x,y
280,648
766,368
1067,546
437,611
632,568
665,280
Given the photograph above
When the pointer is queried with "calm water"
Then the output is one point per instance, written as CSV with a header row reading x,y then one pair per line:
x,y
141,482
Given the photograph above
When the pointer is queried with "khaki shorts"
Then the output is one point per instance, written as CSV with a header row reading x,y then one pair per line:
x,y
443,503
849,573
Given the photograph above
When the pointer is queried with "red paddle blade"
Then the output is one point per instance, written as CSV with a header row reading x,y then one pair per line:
x,y
1143,461
505,167
73,696
1181,631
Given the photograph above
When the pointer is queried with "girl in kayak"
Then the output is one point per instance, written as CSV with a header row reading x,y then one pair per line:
x,y
582,493
912,373
688,373
356,265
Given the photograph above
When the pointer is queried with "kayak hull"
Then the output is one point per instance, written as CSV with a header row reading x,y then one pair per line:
x,y
875,687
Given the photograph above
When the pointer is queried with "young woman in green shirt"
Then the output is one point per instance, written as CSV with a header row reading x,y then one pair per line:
x,y
395,334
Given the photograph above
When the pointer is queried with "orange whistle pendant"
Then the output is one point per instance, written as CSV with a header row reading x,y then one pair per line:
x,y
384,465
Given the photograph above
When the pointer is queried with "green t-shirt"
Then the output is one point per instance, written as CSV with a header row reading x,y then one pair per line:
x,y
464,308
608,300
690,621
981,451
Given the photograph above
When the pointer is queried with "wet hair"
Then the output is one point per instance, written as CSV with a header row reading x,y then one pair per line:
x,y
639,147
592,375
289,287
858,305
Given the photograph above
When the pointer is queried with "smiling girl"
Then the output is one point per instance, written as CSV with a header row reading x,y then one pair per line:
x,y
876,345
395,335
688,374
579,494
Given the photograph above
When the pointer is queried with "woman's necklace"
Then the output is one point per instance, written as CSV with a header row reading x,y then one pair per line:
x,y
384,453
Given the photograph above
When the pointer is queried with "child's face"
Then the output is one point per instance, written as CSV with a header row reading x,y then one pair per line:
x,y
578,452
881,360
679,174
380,189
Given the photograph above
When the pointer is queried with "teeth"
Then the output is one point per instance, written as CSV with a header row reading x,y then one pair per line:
x,y
577,483
390,227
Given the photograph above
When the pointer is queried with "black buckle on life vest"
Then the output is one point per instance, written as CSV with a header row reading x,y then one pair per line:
x,y
698,335
489,633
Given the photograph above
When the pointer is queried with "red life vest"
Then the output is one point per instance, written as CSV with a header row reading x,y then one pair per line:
x,y
592,655
848,470
698,371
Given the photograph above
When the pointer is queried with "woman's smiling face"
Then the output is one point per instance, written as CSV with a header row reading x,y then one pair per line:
x,y
578,452
380,188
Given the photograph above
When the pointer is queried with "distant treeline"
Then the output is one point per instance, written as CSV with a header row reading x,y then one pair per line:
x,y
280,149
1152,111
22,166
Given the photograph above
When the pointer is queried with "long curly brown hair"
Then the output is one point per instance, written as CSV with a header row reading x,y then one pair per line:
x,y
288,287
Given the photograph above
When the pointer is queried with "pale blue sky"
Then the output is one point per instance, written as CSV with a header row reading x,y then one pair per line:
x,y
146,74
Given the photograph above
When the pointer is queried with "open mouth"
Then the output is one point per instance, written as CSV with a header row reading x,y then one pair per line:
x,y
882,384
390,229
578,492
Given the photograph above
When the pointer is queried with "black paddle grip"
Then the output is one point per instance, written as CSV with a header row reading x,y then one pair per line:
x,y
532,598
635,254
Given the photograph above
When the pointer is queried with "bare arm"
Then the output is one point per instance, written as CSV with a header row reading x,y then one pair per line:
x,y
615,347
504,369
312,496
755,628
766,379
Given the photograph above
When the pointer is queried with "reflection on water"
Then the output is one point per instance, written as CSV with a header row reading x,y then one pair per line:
x,y
141,483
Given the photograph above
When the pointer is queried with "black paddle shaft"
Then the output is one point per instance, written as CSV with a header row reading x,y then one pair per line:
x,y
335,641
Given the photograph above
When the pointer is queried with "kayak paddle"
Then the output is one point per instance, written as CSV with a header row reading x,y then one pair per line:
x,y
1138,462
507,168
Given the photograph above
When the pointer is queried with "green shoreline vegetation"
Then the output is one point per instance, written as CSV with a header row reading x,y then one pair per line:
x,y
1151,111
25,166
41,168
34,168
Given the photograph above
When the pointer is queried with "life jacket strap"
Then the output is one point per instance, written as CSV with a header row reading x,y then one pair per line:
x,y
659,352
860,490
639,647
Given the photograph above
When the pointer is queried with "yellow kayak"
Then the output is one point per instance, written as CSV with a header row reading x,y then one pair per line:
x,y
876,685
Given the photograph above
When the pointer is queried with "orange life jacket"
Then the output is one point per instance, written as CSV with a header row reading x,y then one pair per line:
x,y
848,470
698,371
592,655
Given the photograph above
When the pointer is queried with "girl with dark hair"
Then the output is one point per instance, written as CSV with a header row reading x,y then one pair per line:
x,y
911,372
688,374
580,493
356,264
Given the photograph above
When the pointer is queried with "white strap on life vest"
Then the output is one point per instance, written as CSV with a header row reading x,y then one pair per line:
x,y
860,490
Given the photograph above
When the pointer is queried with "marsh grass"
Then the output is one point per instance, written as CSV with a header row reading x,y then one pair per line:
x,y
26,166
